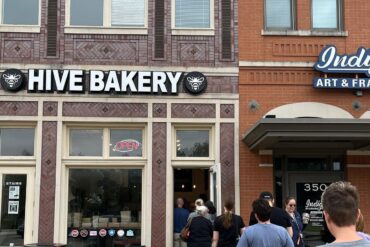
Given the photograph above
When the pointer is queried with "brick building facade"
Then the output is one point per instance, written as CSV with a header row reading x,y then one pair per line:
x,y
293,134
63,169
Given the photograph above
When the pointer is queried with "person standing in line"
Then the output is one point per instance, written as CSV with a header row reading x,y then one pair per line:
x,y
278,216
228,227
264,234
360,226
340,202
201,229
296,221
211,210
199,202
180,217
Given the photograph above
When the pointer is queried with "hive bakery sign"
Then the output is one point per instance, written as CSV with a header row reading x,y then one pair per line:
x,y
333,63
97,81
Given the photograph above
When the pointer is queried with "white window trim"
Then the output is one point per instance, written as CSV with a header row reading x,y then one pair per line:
x,y
105,144
189,161
106,28
193,31
7,28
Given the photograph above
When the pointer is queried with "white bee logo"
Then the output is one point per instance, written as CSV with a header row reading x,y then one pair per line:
x,y
195,82
11,79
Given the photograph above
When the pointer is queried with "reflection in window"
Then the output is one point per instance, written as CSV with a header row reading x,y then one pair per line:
x,y
192,143
278,14
86,12
120,13
192,14
28,14
126,142
108,199
13,204
17,141
325,14
86,142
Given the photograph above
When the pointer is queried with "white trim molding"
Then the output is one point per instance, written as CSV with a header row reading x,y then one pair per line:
x,y
304,33
275,64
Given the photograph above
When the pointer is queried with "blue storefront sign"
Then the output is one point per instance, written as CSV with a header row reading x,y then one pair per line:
x,y
331,62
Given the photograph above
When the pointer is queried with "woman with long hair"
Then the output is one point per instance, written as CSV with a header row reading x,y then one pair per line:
x,y
296,220
228,227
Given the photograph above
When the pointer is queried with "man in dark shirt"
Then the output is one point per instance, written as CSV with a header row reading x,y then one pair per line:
x,y
278,216
180,217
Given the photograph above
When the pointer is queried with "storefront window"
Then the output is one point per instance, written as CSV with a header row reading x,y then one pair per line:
x,y
13,203
104,210
192,143
86,142
17,141
126,142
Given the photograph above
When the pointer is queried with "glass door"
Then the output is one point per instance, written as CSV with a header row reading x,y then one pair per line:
x,y
215,186
16,207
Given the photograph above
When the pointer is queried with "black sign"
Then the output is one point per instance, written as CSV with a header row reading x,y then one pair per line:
x,y
309,201
195,82
12,80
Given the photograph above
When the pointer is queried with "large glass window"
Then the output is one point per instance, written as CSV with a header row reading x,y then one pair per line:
x,y
126,142
278,14
17,141
325,14
192,143
28,14
192,14
106,142
121,13
106,206
86,142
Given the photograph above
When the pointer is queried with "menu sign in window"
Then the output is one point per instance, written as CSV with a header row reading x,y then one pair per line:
x,y
309,201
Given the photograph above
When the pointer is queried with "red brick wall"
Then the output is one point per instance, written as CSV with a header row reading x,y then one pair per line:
x,y
272,87
360,178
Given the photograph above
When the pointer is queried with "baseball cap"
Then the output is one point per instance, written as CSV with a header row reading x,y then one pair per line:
x,y
266,195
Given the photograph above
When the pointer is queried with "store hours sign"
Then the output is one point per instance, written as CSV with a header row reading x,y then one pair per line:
x,y
331,62
97,81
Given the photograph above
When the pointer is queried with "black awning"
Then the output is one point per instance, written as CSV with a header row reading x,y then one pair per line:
x,y
276,133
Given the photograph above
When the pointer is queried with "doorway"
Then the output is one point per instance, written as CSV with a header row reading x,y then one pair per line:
x,y
16,205
191,184
305,178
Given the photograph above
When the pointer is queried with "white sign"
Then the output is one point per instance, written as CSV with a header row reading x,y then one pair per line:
x,y
13,192
13,207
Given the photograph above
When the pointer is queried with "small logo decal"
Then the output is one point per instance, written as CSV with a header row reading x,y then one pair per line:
x,y
111,232
84,233
120,233
93,233
74,233
12,80
102,233
130,233
195,82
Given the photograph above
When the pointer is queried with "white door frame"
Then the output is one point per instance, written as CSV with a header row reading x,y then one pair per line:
x,y
215,186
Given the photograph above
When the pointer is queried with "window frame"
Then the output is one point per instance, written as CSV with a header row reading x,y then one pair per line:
x,y
340,19
106,140
211,132
107,27
15,28
210,31
293,21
